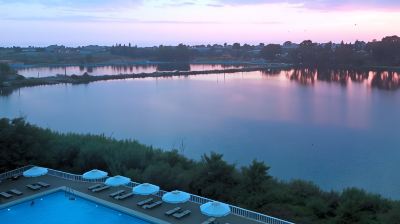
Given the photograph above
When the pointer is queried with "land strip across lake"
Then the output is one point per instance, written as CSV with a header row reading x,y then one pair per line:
x,y
12,84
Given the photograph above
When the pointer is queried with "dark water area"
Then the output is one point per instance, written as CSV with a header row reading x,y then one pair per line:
x,y
338,129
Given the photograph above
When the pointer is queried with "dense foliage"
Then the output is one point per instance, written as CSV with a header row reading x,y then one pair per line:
x,y
306,54
4,69
385,52
7,73
180,53
249,187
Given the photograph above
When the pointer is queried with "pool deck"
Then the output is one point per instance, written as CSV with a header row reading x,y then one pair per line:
x,y
128,205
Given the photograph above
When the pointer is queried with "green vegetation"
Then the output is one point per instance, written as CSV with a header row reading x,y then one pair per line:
x,y
346,55
8,74
180,53
5,69
250,187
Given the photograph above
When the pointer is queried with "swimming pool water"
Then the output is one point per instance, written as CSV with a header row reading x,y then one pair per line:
x,y
56,208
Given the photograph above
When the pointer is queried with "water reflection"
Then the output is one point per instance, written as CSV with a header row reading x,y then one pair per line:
x,y
387,80
118,69
173,67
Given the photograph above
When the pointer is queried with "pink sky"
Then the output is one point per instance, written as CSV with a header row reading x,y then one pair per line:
x,y
155,22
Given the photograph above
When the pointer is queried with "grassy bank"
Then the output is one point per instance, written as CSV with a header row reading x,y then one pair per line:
x,y
250,186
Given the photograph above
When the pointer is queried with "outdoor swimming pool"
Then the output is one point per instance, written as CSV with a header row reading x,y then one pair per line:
x,y
57,208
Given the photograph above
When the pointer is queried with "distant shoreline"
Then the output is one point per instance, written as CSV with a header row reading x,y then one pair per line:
x,y
138,63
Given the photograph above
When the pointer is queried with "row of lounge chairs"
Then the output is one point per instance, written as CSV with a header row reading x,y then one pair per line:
x,y
15,192
38,186
121,195
98,187
10,193
210,221
182,214
118,195
152,205
178,213
148,203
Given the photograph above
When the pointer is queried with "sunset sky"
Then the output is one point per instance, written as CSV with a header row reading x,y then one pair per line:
x,y
155,22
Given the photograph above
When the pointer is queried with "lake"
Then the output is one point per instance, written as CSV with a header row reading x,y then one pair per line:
x,y
338,129
117,69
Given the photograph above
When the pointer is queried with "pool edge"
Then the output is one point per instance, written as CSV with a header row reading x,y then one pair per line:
x,y
102,202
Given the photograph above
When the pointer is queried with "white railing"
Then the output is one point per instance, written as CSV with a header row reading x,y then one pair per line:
x,y
193,198
13,173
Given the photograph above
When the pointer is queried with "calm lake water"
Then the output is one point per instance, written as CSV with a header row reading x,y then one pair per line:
x,y
116,70
338,130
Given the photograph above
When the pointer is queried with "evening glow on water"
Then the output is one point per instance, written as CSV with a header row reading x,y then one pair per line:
x,y
193,22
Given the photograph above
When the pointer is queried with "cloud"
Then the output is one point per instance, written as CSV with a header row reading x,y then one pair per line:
x,y
321,4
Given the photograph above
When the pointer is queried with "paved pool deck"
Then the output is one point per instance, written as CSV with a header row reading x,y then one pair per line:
x,y
128,205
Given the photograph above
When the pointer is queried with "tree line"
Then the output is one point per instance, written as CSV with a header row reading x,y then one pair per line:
x,y
249,186
329,55
385,52
180,53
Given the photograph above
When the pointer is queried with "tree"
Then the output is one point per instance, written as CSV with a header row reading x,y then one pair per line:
x,y
236,46
271,51
5,69
387,51
215,177
178,54
305,54
255,175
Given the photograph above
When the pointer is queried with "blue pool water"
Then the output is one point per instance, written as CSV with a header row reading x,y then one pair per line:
x,y
57,209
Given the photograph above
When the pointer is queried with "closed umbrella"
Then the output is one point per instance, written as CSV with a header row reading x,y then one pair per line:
x,y
175,197
117,181
35,172
215,209
146,189
94,174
